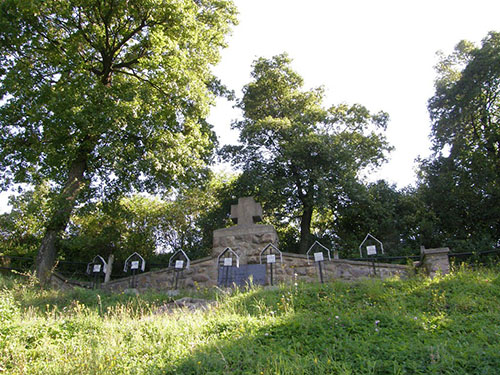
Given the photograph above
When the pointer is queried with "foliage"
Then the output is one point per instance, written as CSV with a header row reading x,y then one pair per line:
x,y
149,225
106,97
297,155
461,183
22,229
398,218
445,326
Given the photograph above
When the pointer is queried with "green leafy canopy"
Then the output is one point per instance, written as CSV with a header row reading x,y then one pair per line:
x,y
123,84
296,150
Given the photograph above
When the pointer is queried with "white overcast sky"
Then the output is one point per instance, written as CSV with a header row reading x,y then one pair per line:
x,y
378,53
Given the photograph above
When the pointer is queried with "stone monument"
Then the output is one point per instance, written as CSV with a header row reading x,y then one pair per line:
x,y
246,238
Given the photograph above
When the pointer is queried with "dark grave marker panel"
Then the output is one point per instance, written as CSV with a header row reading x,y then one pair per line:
x,y
240,275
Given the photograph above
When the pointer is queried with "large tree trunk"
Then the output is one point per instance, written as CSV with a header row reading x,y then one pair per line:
x,y
61,213
305,229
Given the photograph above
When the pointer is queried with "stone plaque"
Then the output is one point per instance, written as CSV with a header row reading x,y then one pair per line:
x,y
240,275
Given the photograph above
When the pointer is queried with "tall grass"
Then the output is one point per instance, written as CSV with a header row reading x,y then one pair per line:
x,y
449,325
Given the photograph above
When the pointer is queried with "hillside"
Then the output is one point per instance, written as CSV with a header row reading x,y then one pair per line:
x,y
449,325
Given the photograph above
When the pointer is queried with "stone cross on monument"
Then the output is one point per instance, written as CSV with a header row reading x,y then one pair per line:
x,y
246,212
246,238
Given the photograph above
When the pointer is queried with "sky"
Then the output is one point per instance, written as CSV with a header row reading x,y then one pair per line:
x,y
378,53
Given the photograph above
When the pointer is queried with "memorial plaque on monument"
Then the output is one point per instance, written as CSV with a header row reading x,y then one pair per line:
x,y
241,275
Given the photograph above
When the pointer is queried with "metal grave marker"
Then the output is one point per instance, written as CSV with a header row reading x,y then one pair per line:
x,y
319,257
225,268
270,259
134,264
95,269
372,247
179,261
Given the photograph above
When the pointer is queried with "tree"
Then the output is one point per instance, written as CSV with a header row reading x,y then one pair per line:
x,y
105,97
465,170
150,225
465,110
398,218
295,151
22,229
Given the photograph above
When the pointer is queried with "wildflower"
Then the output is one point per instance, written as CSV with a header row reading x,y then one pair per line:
x,y
377,322
376,329
336,316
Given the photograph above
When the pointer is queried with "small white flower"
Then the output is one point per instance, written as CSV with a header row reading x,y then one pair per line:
x,y
336,316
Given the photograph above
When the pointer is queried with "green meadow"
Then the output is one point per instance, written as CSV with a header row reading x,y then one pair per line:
x,y
446,325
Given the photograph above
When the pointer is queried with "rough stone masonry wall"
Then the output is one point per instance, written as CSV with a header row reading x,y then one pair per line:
x,y
295,267
202,273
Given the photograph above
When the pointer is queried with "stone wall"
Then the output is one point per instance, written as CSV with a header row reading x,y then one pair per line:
x,y
435,261
247,240
294,267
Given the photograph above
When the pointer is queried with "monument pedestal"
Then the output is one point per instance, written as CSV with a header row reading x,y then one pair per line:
x,y
247,241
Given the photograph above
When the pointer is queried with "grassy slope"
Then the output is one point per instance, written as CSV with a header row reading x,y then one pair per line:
x,y
450,325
